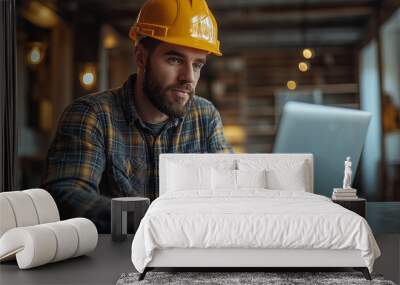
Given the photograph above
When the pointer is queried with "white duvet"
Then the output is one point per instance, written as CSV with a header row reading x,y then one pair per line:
x,y
252,218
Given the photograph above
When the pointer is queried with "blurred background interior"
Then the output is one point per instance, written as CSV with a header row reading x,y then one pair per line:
x,y
332,52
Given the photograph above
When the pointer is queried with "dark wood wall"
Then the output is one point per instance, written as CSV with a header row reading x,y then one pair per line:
x,y
251,83
8,135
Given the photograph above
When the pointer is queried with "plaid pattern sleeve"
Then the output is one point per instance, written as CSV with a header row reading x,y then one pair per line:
x,y
216,139
75,163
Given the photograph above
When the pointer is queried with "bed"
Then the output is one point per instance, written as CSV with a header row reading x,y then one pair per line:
x,y
246,211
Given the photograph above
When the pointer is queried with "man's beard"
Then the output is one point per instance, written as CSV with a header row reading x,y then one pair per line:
x,y
158,97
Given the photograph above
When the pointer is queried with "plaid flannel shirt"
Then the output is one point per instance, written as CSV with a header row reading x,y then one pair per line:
x,y
102,149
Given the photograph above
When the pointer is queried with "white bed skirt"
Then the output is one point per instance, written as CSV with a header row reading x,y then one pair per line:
x,y
193,257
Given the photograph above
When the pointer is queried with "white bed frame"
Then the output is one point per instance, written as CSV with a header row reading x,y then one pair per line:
x,y
246,258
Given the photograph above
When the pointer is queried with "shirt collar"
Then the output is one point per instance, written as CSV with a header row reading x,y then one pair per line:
x,y
128,104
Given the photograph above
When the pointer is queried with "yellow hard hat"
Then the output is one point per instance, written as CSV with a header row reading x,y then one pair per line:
x,y
187,23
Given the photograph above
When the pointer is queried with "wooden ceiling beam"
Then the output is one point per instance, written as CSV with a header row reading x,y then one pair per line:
x,y
359,23
293,37
277,13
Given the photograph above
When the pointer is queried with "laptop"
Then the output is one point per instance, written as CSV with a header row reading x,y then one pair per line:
x,y
329,133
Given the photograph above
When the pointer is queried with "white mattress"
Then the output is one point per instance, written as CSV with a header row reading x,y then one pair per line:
x,y
252,218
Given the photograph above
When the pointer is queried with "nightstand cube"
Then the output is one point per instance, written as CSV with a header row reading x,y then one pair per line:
x,y
355,205
119,211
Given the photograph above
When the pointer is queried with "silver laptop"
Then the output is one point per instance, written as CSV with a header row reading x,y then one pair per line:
x,y
329,133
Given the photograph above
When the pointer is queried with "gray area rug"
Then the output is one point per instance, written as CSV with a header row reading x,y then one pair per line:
x,y
229,278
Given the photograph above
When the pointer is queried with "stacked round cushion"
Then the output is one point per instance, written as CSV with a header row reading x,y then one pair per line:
x,y
31,230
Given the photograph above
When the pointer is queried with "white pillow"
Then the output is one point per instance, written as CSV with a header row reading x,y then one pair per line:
x,y
289,178
223,179
182,177
285,174
251,178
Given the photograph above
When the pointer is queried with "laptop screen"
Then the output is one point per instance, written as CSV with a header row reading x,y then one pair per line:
x,y
329,133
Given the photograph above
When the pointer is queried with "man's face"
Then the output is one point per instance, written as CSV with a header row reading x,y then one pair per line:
x,y
170,77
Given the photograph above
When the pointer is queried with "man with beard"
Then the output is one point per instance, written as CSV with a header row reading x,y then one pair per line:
x,y
107,144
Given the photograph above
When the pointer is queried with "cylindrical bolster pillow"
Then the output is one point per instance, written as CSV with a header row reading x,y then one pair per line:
x,y
26,208
67,239
41,244
33,246
23,209
87,235
45,206
7,218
